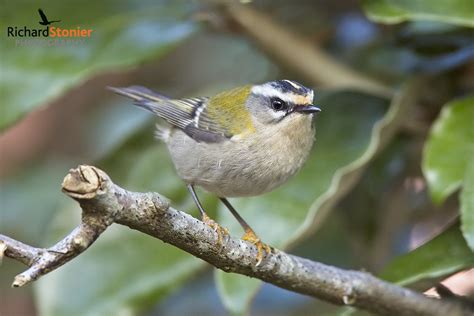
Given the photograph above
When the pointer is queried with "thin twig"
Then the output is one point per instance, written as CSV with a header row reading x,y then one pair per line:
x,y
103,203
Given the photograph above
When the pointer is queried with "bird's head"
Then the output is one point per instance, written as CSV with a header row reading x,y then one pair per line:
x,y
276,101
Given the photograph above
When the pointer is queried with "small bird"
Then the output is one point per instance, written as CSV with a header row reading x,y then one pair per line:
x,y
243,142
44,19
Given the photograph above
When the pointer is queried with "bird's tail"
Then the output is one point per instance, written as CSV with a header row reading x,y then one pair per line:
x,y
141,96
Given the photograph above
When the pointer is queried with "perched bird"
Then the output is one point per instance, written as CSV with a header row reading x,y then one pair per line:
x,y
241,142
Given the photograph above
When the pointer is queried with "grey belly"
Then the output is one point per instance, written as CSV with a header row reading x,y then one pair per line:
x,y
227,169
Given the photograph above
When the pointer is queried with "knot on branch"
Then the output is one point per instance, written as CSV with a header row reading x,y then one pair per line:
x,y
349,298
84,182
3,248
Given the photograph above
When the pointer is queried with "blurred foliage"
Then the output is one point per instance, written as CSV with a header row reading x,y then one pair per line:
x,y
124,34
395,11
42,198
359,192
445,169
467,205
443,255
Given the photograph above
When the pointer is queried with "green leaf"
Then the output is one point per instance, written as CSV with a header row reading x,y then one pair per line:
x,y
125,33
467,205
350,130
438,258
449,148
460,12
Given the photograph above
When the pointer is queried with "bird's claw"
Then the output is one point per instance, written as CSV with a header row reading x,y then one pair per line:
x,y
251,237
221,231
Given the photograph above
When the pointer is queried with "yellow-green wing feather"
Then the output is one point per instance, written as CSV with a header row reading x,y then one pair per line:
x,y
204,119
228,110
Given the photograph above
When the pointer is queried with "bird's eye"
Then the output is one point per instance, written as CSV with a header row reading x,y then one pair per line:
x,y
279,104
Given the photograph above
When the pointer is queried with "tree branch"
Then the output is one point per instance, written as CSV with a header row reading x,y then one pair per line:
x,y
104,203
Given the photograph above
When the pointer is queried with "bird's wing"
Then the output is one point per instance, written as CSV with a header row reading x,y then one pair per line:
x,y
43,16
192,115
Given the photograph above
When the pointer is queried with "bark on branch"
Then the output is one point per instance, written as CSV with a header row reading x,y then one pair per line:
x,y
104,203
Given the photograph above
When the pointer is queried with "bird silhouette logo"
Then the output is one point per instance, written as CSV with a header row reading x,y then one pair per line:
x,y
44,19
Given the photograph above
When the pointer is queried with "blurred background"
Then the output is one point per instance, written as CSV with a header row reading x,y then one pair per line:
x,y
388,187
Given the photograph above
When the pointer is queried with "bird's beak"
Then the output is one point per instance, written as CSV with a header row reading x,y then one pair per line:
x,y
306,109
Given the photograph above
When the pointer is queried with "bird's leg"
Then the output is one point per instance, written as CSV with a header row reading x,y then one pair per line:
x,y
249,235
206,219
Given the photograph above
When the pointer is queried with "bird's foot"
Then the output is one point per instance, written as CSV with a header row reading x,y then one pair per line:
x,y
251,237
221,231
